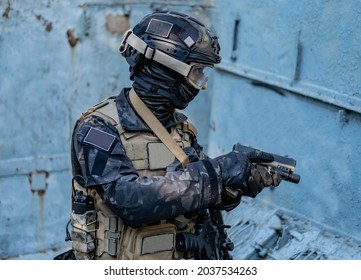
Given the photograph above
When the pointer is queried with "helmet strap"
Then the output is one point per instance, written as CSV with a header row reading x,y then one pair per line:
x,y
153,54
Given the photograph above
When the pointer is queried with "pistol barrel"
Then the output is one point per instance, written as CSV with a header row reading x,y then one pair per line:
x,y
286,175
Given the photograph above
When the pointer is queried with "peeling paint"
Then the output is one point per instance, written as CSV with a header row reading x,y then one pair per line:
x,y
117,24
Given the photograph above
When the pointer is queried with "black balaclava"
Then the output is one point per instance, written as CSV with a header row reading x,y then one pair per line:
x,y
163,90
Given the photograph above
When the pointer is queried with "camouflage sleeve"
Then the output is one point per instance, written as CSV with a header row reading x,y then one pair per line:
x,y
97,152
142,200
137,199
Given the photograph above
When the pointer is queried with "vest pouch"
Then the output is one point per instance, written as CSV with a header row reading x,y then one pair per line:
x,y
156,242
108,234
83,234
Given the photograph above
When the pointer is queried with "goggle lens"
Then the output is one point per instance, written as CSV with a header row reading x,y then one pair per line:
x,y
198,75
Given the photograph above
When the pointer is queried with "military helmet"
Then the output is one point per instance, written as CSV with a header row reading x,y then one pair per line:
x,y
175,40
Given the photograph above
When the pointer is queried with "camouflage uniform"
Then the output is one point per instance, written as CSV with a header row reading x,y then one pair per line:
x,y
131,199
140,200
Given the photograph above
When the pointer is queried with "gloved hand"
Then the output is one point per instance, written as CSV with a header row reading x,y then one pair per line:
x,y
241,176
259,174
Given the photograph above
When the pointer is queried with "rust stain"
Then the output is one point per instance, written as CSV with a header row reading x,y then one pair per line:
x,y
70,33
41,217
47,24
39,186
39,192
7,11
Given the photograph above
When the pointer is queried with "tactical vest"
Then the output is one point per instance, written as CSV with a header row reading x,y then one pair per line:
x,y
99,233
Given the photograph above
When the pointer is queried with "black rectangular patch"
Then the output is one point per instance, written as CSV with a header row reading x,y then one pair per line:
x,y
100,139
159,28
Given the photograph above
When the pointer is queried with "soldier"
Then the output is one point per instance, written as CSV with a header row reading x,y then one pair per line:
x,y
142,187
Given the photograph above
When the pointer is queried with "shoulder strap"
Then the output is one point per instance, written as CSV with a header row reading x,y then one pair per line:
x,y
159,130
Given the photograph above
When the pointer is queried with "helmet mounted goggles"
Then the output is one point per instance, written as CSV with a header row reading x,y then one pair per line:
x,y
196,74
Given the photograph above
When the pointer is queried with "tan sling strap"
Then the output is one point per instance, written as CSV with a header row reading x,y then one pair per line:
x,y
157,128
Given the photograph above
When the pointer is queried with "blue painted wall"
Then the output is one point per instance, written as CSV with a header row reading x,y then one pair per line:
x,y
289,83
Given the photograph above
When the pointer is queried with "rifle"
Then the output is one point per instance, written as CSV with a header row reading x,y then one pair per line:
x,y
282,165
210,240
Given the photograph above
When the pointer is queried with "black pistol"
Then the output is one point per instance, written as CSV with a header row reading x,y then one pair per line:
x,y
284,166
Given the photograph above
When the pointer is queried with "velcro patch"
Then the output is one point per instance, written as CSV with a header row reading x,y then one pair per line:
x,y
189,41
159,27
99,138
157,243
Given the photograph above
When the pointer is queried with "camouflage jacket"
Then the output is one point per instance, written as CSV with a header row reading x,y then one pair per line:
x,y
103,164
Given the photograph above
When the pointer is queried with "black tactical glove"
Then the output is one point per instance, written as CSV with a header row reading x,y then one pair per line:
x,y
259,174
241,176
